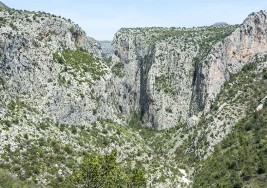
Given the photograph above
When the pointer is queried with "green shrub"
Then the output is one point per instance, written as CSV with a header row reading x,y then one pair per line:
x,y
73,129
103,171
2,81
118,69
164,83
68,149
249,67
9,181
241,156
169,110
94,111
82,61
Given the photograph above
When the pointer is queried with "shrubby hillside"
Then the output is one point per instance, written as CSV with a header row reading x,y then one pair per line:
x,y
159,107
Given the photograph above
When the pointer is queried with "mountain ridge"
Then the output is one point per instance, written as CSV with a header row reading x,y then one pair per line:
x,y
2,5
163,98
220,24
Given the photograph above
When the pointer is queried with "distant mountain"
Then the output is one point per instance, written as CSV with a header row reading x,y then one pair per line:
x,y
107,49
220,24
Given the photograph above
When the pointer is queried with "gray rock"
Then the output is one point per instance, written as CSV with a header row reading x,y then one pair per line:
x,y
228,56
168,81
28,42
164,76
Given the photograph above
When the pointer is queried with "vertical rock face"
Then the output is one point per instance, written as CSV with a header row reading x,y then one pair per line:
x,y
172,74
228,57
166,75
55,89
169,85
128,88
158,73
143,60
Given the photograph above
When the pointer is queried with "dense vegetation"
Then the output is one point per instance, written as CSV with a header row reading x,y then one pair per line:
x,y
95,171
9,181
117,69
104,171
81,61
36,156
50,161
241,159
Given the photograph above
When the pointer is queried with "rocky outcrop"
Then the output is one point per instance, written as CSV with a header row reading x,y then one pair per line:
x,y
173,75
159,71
150,72
166,76
68,94
228,57
57,95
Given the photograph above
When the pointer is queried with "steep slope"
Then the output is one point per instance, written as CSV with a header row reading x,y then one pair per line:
x,y
59,102
241,156
174,75
235,101
41,63
55,105
159,69
226,57
240,97
52,84
3,6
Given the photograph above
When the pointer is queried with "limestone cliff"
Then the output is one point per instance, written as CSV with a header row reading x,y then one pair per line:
x,y
31,43
173,75
228,57
159,70
60,100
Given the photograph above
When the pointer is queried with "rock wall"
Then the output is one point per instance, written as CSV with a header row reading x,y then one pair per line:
x,y
158,71
167,76
173,75
28,41
228,57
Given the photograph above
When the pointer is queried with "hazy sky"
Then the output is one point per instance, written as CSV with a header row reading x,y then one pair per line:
x,y
102,18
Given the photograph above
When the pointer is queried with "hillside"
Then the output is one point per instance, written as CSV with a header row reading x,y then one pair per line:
x,y
241,156
161,107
